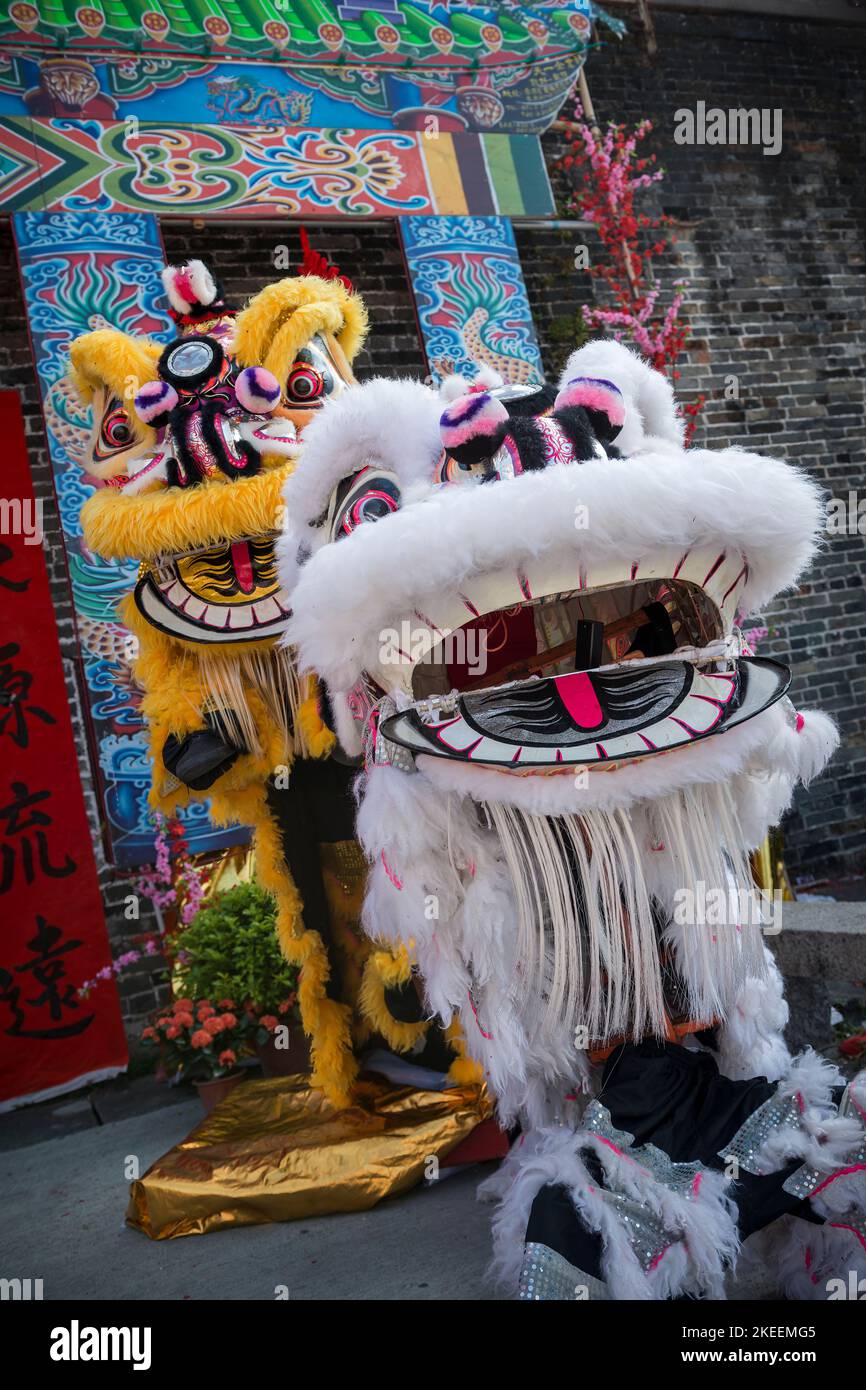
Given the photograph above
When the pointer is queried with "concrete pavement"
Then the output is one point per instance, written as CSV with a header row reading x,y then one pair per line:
x,y
62,1221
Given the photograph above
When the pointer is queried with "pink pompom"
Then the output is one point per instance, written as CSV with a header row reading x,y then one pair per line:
x,y
596,394
473,416
257,391
155,402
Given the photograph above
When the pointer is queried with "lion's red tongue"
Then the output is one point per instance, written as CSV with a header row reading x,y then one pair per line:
x,y
576,693
243,566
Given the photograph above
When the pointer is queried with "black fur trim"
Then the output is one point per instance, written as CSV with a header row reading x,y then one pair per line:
x,y
530,442
576,425
182,469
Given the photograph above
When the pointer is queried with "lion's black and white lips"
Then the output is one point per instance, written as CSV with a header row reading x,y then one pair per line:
x,y
590,717
228,593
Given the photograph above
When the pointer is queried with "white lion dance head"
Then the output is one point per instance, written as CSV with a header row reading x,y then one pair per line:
x,y
536,648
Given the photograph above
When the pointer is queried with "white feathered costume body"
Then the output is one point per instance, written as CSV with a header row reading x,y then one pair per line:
x,y
569,746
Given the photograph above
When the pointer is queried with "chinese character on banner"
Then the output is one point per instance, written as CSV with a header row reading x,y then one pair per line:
x,y
53,934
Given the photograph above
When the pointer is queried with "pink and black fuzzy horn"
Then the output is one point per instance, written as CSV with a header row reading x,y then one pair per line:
x,y
155,402
602,401
473,426
257,391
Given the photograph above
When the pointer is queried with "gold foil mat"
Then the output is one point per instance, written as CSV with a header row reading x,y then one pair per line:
x,y
277,1150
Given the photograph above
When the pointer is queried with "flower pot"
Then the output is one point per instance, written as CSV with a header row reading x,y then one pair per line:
x,y
213,1091
293,1060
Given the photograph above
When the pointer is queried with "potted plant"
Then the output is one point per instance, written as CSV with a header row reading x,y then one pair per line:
x,y
281,1045
230,950
200,1041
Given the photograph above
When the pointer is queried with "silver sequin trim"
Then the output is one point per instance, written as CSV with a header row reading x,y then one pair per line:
x,y
647,1234
547,1276
779,1112
678,1177
804,1181
389,754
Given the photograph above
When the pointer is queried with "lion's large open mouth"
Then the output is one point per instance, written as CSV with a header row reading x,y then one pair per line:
x,y
634,661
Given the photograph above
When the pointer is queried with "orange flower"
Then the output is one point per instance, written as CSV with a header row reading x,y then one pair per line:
x,y
148,1032
212,1026
228,1020
269,1021
184,1004
172,1032
227,1058
288,1003
227,1004
164,1022
184,1020
205,1011
200,1038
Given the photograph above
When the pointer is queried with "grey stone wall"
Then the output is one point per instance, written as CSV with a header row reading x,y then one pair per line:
x,y
774,249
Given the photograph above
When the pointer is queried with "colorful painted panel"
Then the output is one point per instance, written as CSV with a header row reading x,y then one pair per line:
x,y
514,98
435,33
470,295
87,165
83,271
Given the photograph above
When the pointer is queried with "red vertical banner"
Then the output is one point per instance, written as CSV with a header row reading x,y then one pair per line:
x,y
52,926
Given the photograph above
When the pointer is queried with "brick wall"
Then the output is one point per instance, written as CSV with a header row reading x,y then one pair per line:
x,y
244,257
773,249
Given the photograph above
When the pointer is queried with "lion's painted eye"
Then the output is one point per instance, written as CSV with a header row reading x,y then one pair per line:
x,y
115,431
368,496
372,505
304,384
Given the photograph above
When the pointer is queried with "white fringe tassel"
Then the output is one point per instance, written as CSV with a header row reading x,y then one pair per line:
x,y
589,948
